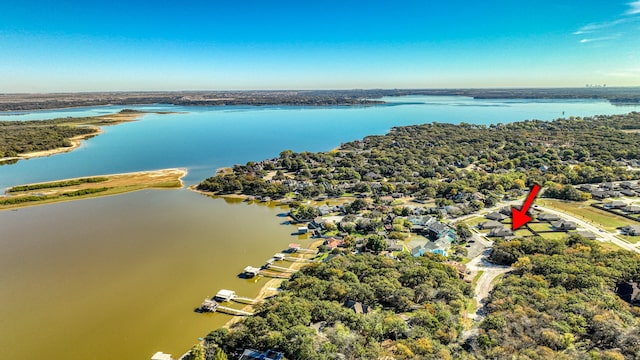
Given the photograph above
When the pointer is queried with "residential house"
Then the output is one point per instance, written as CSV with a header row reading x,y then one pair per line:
x,y
626,185
617,204
548,217
490,225
631,209
358,307
563,225
394,245
417,251
325,210
587,235
614,193
333,243
587,187
250,354
628,192
632,230
496,216
599,194
500,232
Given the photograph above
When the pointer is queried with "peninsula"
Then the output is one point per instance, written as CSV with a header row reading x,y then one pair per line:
x,y
88,187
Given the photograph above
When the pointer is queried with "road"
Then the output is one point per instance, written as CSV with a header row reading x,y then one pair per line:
x,y
486,281
607,236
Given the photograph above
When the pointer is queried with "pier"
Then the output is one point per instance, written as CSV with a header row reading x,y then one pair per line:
x,y
212,306
296,248
269,265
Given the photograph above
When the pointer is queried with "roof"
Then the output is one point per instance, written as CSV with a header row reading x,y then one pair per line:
x,y
249,354
500,232
548,217
587,235
490,224
496,216
358,307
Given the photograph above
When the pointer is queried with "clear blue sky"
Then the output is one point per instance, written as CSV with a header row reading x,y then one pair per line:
x,y
48,46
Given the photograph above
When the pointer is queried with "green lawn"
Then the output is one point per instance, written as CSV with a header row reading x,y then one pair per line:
x,y
554,235
523,232
475,221
588,213
540,226
629,239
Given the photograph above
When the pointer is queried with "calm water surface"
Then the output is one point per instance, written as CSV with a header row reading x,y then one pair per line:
x,y
118,277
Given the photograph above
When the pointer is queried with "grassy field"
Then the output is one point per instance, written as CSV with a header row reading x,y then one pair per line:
x,y
540,226
554,235
522,232
588,213
73,189
629,239
474,221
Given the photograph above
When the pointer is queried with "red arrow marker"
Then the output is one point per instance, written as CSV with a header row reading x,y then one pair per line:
x,y
520,217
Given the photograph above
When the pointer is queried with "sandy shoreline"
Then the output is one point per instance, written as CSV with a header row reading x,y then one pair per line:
x,y
76,141
266,289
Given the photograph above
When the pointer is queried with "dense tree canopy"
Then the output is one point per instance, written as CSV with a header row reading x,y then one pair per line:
x,y
452,162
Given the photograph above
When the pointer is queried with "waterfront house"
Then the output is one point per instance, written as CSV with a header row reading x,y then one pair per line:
x,y
250,354
333,243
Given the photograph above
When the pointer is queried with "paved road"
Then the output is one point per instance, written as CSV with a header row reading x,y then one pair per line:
x,y
607,236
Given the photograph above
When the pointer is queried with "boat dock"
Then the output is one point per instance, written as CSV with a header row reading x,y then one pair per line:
x,y
269,265
212,306
230,295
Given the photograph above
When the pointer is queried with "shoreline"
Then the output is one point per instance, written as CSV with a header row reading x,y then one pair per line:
x,y
87,122
265,290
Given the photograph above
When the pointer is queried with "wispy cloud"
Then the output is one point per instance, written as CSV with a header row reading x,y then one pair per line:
x,y
594,27
598,39
634,8
600,31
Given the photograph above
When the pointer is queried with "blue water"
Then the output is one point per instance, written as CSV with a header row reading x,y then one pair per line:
x,y
203,139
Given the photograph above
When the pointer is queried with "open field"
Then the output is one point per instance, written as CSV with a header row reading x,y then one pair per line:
x,y
82,188
630,239
600,218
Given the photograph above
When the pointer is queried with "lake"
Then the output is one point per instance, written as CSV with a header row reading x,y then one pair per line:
x,y
118,277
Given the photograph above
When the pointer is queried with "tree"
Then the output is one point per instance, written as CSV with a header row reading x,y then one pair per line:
x,y
376,243
463,231
197,352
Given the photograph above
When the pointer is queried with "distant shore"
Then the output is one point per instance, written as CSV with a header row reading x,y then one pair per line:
x,y
92,122
34,194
